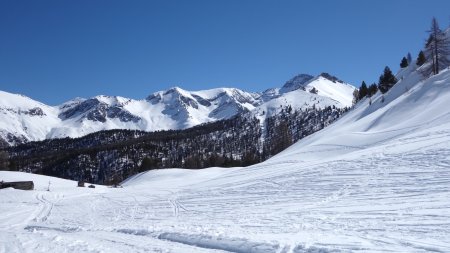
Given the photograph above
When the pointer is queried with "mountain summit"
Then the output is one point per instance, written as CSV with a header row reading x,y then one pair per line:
x,y
296,82
24,119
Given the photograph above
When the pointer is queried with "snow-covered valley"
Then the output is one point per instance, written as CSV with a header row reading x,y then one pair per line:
x,y
376,180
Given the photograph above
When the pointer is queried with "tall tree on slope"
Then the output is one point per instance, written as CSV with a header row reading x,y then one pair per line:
x,y
437,47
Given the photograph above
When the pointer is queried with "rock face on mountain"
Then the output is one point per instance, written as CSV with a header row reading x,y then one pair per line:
x,y
95,109
23,119
296,83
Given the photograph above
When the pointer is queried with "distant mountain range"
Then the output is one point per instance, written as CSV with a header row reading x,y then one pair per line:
x,y
23,119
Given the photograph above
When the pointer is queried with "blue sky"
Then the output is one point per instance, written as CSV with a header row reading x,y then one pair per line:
x,y
55,50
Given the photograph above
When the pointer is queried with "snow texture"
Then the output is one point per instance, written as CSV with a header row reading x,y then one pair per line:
x,y
377,180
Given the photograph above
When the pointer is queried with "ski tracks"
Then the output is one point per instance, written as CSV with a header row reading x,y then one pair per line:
x,y
45,206
176,206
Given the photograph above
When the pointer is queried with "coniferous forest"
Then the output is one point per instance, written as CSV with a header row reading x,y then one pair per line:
x,y
108,157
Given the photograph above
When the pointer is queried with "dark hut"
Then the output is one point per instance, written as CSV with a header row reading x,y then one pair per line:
x,y
20,185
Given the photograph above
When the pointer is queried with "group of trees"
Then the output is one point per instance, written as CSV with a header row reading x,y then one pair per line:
x,y
289,126
108,157
4,162
364,91
437,50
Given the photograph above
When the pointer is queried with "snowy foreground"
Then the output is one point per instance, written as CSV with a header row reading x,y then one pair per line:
x,y
377,180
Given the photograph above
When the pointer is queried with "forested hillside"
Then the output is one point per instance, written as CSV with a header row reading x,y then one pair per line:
x,y
108,157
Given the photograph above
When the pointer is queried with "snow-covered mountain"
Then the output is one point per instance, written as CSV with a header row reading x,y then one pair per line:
x,y
23,119
376,180
305,91
324,85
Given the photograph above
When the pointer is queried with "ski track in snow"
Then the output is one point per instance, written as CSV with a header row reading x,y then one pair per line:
x,y
382,201
359,185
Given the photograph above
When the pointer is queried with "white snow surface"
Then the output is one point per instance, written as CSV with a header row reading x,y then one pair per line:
x,y
163,110
341,92
377,180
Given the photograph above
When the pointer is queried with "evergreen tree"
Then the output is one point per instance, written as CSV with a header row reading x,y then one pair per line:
x,y
438,48
373,88
421,59
363,91
387,80
404,63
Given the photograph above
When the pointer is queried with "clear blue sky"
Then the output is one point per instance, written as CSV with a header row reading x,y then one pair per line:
x,y
55,50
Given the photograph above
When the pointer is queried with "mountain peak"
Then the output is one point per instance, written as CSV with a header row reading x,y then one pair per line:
x,y
332,78
296,82
176,89
174,108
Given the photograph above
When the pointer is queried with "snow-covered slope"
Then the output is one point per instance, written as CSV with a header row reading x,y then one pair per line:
x,y
324,85
377,180
299,94
331,87
23,119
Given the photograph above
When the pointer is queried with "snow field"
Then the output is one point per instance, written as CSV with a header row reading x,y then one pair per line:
x,y
377,180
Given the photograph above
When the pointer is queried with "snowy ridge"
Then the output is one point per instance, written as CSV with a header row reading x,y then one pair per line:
x,y
325,85
23,119
375,181
335,90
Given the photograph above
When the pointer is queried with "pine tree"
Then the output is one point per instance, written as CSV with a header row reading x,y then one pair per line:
x,y
421,59
437,47
373,88
387,80
404,63
363,91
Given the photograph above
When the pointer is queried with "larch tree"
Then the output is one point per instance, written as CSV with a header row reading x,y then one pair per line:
x,y
437,47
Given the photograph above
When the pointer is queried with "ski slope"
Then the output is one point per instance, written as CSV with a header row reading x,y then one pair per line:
x,y
377,180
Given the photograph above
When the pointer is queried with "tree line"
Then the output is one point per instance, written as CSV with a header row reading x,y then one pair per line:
x,y
108,157
430,61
